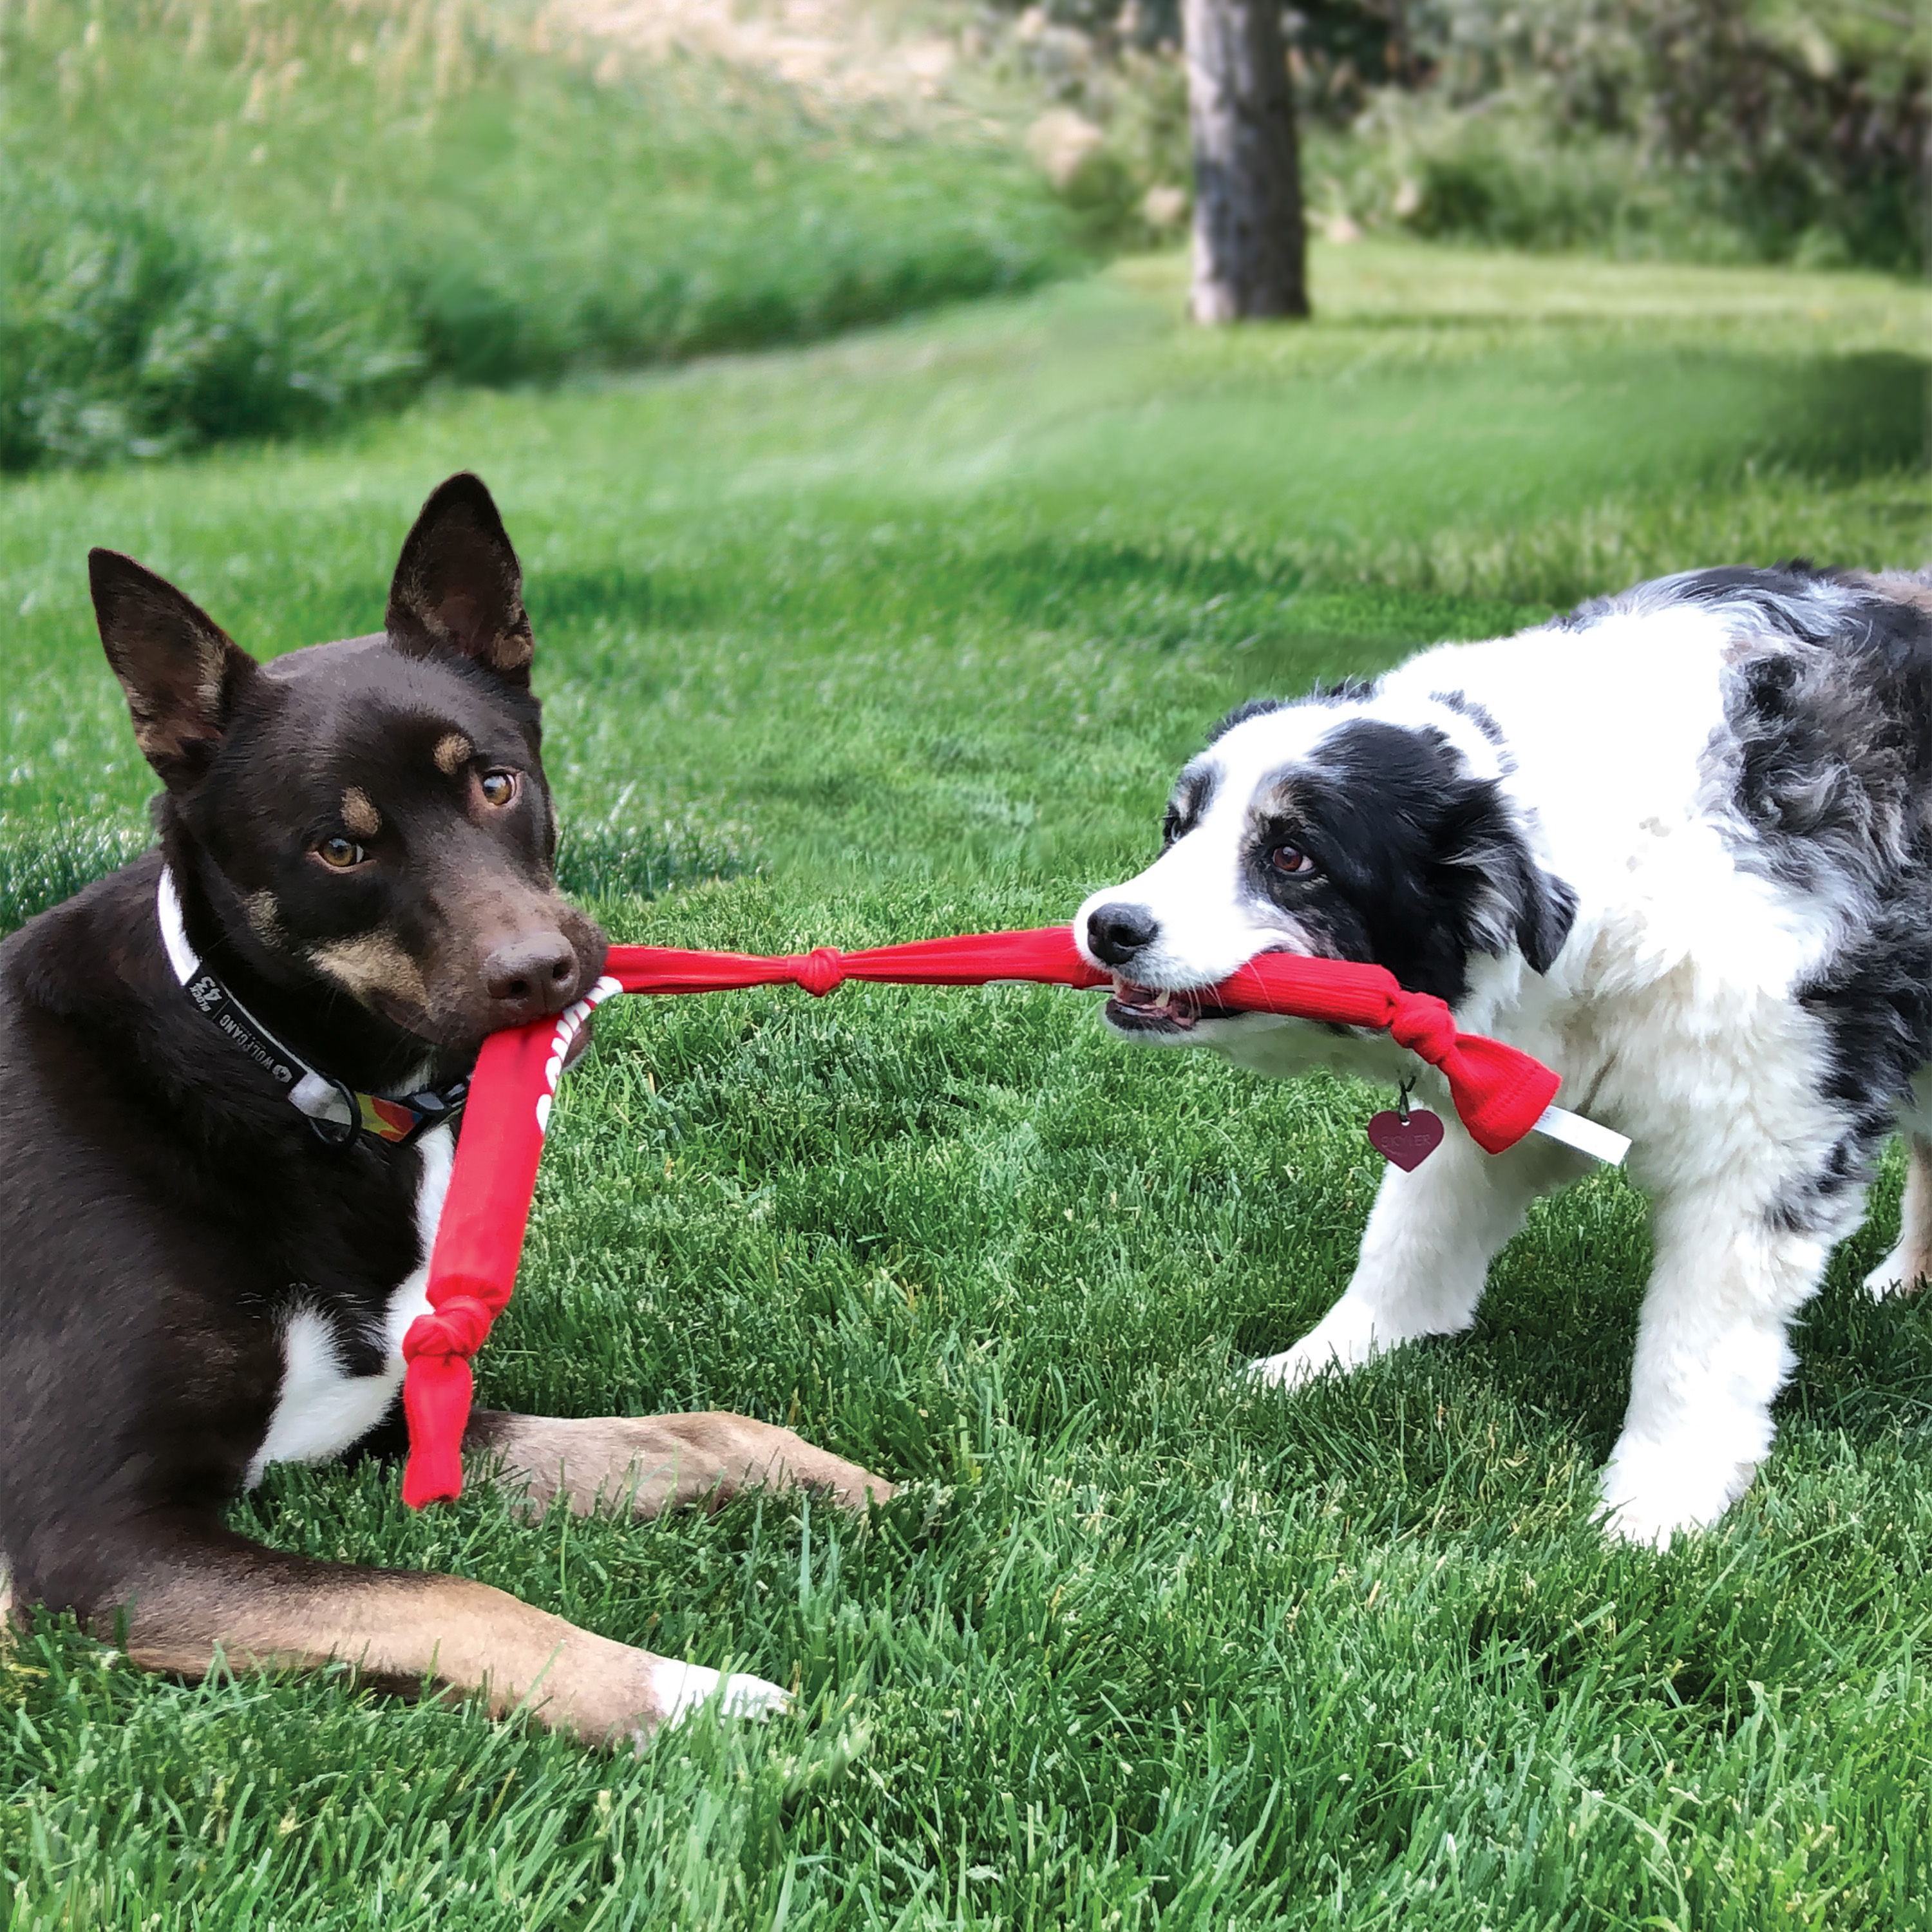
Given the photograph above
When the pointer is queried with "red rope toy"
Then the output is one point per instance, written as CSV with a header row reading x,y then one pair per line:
x,y
1499,1093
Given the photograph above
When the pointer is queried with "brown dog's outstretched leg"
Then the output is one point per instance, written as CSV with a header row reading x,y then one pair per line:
x,y
212,1593
1907,1268
650,1464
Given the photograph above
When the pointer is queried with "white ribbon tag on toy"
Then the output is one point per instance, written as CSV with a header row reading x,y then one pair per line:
x,y
1585,1136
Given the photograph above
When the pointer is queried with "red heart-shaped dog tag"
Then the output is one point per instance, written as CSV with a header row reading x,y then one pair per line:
x,y
1408,1143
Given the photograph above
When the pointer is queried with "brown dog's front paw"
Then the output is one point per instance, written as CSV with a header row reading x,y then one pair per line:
x,y
846,1482
648,1464
748,1454
683,1689
607,1693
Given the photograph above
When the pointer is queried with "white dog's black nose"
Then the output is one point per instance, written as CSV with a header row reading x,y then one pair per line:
x,y
1117,931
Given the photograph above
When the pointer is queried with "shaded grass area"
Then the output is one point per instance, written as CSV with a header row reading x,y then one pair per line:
x,y
221,221
907,635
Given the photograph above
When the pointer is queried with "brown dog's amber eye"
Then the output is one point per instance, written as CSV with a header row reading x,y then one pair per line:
x,y
1291,859
341,853
498,787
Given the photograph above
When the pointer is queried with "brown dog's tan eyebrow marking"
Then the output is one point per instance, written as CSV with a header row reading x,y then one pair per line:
x,y
371,966
359,813
453,752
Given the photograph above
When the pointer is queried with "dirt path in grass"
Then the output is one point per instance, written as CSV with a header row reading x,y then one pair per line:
x,y
843,52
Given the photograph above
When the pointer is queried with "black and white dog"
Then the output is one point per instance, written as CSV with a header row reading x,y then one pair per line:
x,y
227,1078
1677,845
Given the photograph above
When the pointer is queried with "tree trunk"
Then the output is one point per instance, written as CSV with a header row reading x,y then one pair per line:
x,y
1250,252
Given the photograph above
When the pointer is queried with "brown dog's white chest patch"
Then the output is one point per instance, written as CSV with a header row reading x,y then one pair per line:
x,y
321,1409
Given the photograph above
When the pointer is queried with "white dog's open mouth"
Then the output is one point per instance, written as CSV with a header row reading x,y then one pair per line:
x,y
1141,1009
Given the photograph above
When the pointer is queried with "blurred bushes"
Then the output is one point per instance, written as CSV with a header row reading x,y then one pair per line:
x,y
1115,147
1718,129
130,327
219,219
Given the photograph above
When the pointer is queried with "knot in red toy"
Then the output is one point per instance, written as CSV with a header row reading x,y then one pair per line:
x,y
1425,1025
820,971
456,1328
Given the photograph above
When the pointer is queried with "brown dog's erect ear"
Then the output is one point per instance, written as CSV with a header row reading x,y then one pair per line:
x,y
458,586
181,672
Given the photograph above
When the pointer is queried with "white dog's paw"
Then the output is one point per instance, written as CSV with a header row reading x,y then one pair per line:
x,y
1294,1366
683,1688
1898,1273
1344,1339
1650,1493
1643,1521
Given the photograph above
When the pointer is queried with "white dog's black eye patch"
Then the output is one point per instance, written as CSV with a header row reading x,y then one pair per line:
x,y
1417,864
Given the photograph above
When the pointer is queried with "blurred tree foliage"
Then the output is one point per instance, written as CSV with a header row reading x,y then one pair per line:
x,y
1748,129
1801,129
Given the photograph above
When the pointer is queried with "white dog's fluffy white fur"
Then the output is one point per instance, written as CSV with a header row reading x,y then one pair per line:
x,y
1678,846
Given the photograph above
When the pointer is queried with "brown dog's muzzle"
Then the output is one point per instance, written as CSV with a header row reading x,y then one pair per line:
x,y
543,961
529,976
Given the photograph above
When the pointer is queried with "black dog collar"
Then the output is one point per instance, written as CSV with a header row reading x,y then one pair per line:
x,y
335,1110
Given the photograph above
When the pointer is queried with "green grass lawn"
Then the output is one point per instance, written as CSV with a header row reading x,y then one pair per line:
x,y
907,634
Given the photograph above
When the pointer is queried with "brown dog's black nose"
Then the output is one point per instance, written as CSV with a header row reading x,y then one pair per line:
x,y
1117,931
534,974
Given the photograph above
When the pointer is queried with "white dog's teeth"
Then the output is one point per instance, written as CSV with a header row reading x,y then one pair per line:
x,y
1166,1000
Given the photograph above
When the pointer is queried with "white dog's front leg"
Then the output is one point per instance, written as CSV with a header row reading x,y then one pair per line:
x,y
1426,1252
1711,1355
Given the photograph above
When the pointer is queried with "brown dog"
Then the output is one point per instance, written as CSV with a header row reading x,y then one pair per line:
x,y
212,1236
